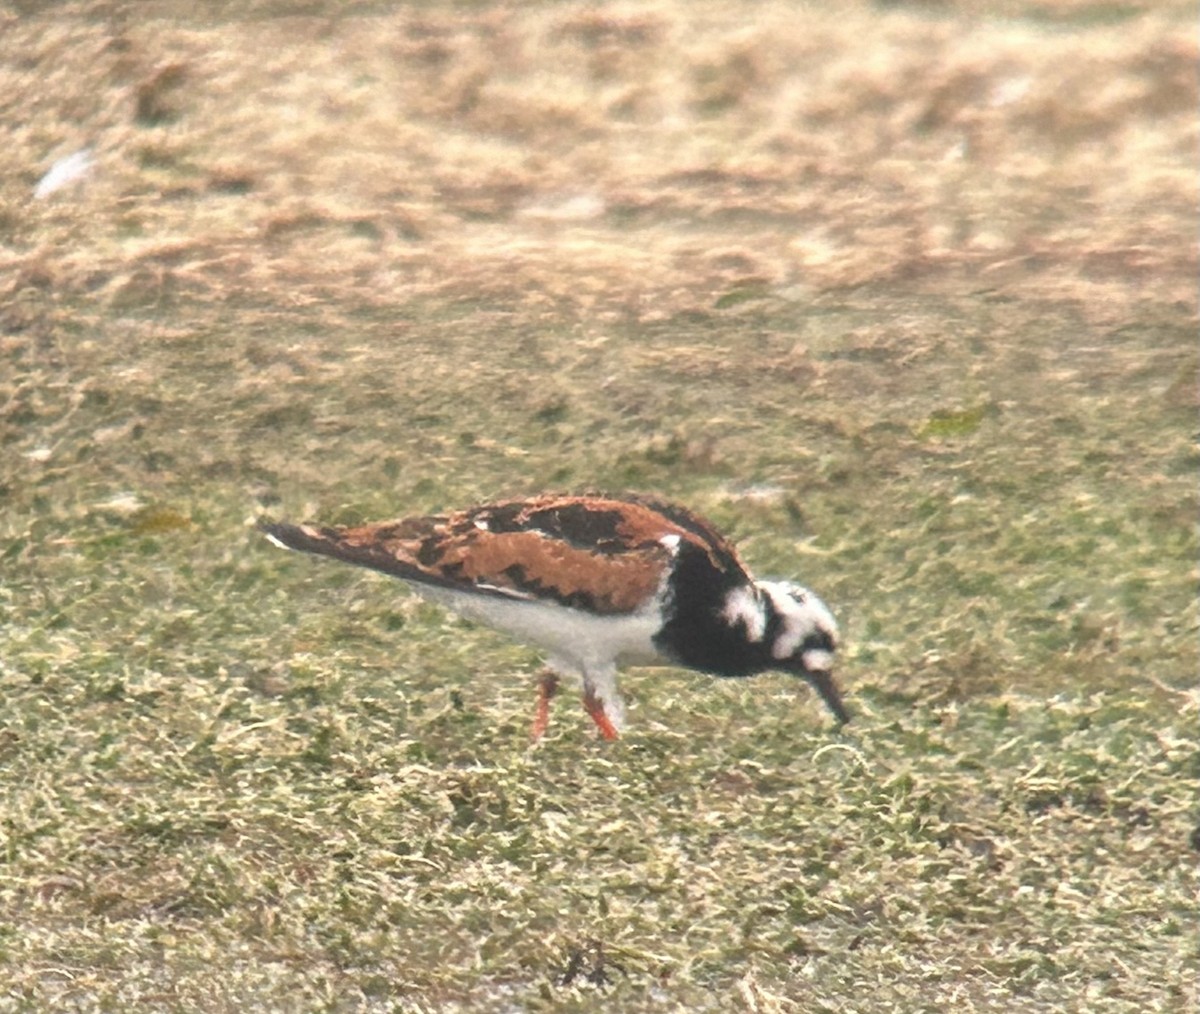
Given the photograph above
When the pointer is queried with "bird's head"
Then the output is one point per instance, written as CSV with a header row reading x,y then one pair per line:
x,y
805,639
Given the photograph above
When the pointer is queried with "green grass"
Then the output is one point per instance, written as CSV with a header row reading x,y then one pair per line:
x,y
956,396
242,778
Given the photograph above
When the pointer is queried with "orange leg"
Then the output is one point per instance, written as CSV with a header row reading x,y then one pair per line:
x,y
595,708
547,688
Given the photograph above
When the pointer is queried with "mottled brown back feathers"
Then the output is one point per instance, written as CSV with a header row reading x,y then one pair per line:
x,y
597,552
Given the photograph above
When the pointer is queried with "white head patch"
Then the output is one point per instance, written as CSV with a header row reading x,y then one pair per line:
x,y
801,613
743,606
817,660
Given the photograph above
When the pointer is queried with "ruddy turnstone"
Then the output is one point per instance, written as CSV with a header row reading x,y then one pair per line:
x,y
597,580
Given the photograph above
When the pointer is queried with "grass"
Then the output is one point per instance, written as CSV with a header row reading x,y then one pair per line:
x,y
902,299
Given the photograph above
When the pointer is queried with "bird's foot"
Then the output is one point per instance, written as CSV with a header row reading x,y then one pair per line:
x,y
595,708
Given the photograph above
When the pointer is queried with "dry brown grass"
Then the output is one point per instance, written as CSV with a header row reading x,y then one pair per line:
x,y
631,160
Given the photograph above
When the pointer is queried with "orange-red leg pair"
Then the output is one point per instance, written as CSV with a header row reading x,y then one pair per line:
x,y
547,688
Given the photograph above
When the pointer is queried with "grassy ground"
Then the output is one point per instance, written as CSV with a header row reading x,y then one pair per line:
x,y
902,296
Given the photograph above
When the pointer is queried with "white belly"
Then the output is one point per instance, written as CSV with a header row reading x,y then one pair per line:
x,y
579,639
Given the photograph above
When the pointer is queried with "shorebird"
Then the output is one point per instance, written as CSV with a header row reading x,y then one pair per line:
x,y
597,581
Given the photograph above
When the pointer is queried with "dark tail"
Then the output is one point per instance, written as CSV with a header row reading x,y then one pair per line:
x,y
348,545
305,538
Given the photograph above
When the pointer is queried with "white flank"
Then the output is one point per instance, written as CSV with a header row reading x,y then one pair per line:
x,y
580,640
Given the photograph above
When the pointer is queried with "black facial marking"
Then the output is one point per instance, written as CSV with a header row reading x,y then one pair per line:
x,y
695,634
774,622
818,640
